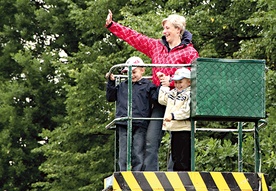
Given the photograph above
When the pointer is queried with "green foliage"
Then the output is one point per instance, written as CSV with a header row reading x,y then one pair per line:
x,y
18,137
216,155
164,153
52,106
261,47
70,161
268,132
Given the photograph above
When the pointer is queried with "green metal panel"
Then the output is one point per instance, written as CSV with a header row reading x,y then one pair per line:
x,y
228,89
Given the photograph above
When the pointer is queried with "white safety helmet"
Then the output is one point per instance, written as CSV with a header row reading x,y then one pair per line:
x,y
181,73
131,61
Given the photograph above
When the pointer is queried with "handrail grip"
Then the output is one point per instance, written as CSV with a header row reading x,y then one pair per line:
x,y
126,118
149,65
263,123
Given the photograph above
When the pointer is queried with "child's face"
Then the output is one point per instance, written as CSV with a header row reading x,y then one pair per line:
x,y
137,74
182,84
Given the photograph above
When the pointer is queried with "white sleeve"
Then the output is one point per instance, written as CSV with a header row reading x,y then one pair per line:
x,y
163,95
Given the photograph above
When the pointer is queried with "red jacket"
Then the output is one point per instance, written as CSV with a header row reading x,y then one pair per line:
x,y
156,49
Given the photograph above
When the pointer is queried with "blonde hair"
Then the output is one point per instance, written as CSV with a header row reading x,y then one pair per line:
x,y
177,21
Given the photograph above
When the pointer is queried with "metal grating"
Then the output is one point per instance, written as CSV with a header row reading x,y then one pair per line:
x,y
228,89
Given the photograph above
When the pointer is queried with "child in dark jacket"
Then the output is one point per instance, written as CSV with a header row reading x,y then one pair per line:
x,y
143,92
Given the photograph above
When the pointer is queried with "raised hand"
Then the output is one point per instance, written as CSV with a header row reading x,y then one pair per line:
x,y
108,18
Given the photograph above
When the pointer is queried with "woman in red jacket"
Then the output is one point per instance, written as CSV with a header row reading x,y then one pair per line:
x,y
174,47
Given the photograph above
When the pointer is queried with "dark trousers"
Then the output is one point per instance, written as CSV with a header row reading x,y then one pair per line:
x,y
153,138
181,150
137,149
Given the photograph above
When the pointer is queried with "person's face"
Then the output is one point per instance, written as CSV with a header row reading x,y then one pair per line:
x,y
171,33
182,84
137,74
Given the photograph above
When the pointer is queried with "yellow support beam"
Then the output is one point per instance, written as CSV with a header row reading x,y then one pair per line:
x,y
186,181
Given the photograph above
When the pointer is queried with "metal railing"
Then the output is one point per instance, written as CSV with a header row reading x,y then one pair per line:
x,y
129,108
129,119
